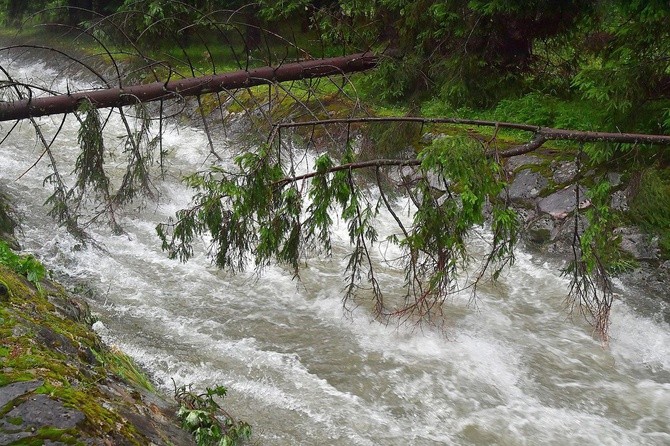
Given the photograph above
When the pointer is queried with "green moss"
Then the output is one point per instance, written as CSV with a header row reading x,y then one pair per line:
x,y
16,421
650,207
25,356
124,367
66,436
12,376
31,441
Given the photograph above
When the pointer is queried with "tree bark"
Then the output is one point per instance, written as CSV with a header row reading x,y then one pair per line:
x,y
117,97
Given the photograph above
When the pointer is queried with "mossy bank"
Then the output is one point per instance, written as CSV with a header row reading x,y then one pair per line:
x,y
59,384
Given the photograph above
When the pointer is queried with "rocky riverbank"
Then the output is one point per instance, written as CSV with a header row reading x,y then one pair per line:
x,y
543,191
59,384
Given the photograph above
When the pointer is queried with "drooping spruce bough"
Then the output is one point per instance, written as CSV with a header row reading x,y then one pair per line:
x,y
265,212
268,211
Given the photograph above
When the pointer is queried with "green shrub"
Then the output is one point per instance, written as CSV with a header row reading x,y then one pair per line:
x,y
26,265
203,417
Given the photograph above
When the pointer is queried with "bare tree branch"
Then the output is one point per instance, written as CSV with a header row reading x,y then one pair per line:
x,y
541,134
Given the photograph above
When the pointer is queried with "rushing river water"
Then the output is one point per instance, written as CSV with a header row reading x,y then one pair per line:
x,y
514,370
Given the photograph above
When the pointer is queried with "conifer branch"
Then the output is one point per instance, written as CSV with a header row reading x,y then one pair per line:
x,y
540,134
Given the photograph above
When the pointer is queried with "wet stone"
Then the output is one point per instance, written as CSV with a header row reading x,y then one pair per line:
x,y
56,341
614,178
641,246
12,437
541,230
75,309
40,411
525,215
526,186
515,162
12,391
20,330
4,292
564,172
560,204
619,201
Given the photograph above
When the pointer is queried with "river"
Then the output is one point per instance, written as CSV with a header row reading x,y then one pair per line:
x,y
512,370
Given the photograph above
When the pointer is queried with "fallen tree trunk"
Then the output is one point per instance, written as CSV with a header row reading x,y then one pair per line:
x,y
117,97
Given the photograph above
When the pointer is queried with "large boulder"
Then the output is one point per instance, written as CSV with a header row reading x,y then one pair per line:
x,y
638,244
526,187
560,204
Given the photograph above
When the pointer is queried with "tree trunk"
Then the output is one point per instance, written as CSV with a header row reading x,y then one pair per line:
x,y
117,97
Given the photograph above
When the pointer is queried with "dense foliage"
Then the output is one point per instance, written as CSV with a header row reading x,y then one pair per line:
x,y
465,53
476,53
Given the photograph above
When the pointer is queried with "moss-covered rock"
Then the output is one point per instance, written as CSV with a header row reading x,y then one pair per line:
x,y
8,223
60,384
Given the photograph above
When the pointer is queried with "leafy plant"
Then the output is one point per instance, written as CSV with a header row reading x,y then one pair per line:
x,y
26,265
210,425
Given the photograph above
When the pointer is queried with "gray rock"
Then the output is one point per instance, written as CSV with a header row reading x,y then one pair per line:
x,y
619,201
565,233
515,162
551,235
40,411
525,215
560,204
13,437
527,186
427,138
564,172
72,308
641,246
20,330
541,230
614,178
12,391
437,182
56,341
